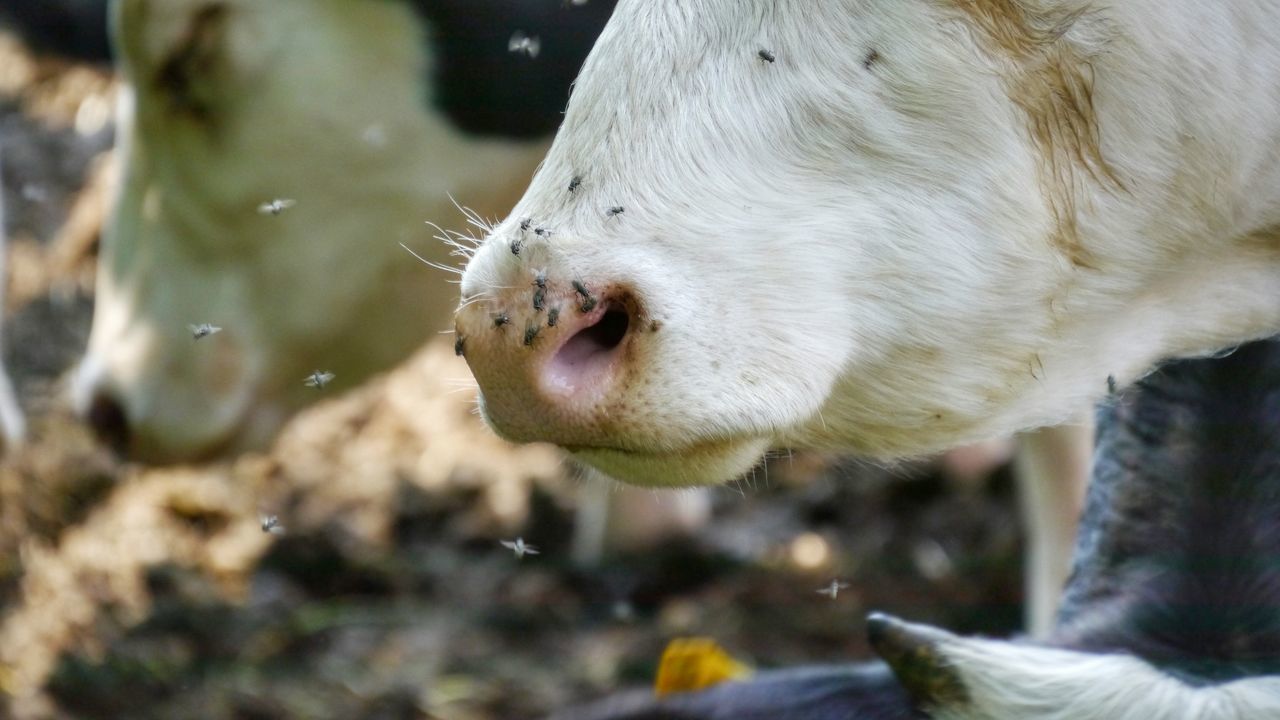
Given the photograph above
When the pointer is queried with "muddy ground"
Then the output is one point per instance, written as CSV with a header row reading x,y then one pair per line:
x,y
128,591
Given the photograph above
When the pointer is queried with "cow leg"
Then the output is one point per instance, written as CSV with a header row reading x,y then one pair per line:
x,y
12,424
1052,467
591,519
619,517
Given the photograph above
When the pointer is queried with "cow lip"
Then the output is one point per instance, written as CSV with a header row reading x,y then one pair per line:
x,y
706,462
642,452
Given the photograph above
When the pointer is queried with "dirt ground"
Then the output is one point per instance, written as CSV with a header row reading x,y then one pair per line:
x,y
128,591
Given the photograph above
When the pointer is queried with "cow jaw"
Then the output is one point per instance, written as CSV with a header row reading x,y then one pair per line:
x,y
703,464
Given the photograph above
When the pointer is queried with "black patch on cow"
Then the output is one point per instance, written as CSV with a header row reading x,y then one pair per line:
x,y
75,29
1177,559
865,691
485,89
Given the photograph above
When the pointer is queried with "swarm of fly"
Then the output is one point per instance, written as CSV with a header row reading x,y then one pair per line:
x,y
588,302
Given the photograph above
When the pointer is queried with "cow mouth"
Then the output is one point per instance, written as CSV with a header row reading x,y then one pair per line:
x,y
220,443
710,462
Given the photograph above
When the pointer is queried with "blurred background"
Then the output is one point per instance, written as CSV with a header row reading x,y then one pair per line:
x,y
131,591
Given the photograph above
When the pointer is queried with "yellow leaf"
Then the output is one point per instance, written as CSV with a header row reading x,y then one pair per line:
x,y
690,664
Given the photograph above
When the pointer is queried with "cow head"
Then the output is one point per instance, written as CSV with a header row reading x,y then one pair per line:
x,y
332,105
886,227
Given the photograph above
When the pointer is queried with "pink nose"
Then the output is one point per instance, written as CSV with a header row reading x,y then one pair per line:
x,y
553,358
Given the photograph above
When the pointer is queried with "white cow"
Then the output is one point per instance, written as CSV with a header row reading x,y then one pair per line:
x,y
275,156
913,225
878,226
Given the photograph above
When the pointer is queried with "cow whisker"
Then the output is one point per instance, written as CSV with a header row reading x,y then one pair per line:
x,y
447,268
473,218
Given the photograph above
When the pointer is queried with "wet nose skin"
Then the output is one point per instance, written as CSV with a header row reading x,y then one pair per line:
x,y
551,359
107,418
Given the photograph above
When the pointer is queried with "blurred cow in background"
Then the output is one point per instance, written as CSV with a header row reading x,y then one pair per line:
x,y
1172,612
364,119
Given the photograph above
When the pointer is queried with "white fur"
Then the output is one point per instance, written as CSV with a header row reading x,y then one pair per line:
x,y
1018,682
320,101
860,259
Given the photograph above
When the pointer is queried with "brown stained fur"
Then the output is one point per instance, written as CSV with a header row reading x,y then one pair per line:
x,y
1266,238
1051,80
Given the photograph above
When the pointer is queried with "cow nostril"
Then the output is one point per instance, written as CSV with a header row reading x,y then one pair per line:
x,y
608,333
605,335
109,423
588,353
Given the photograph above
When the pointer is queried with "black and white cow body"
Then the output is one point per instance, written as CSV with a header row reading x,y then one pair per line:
x,y
1172,611
1179,549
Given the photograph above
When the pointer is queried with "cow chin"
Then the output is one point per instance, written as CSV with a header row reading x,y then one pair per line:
x,y
251,430
713,462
